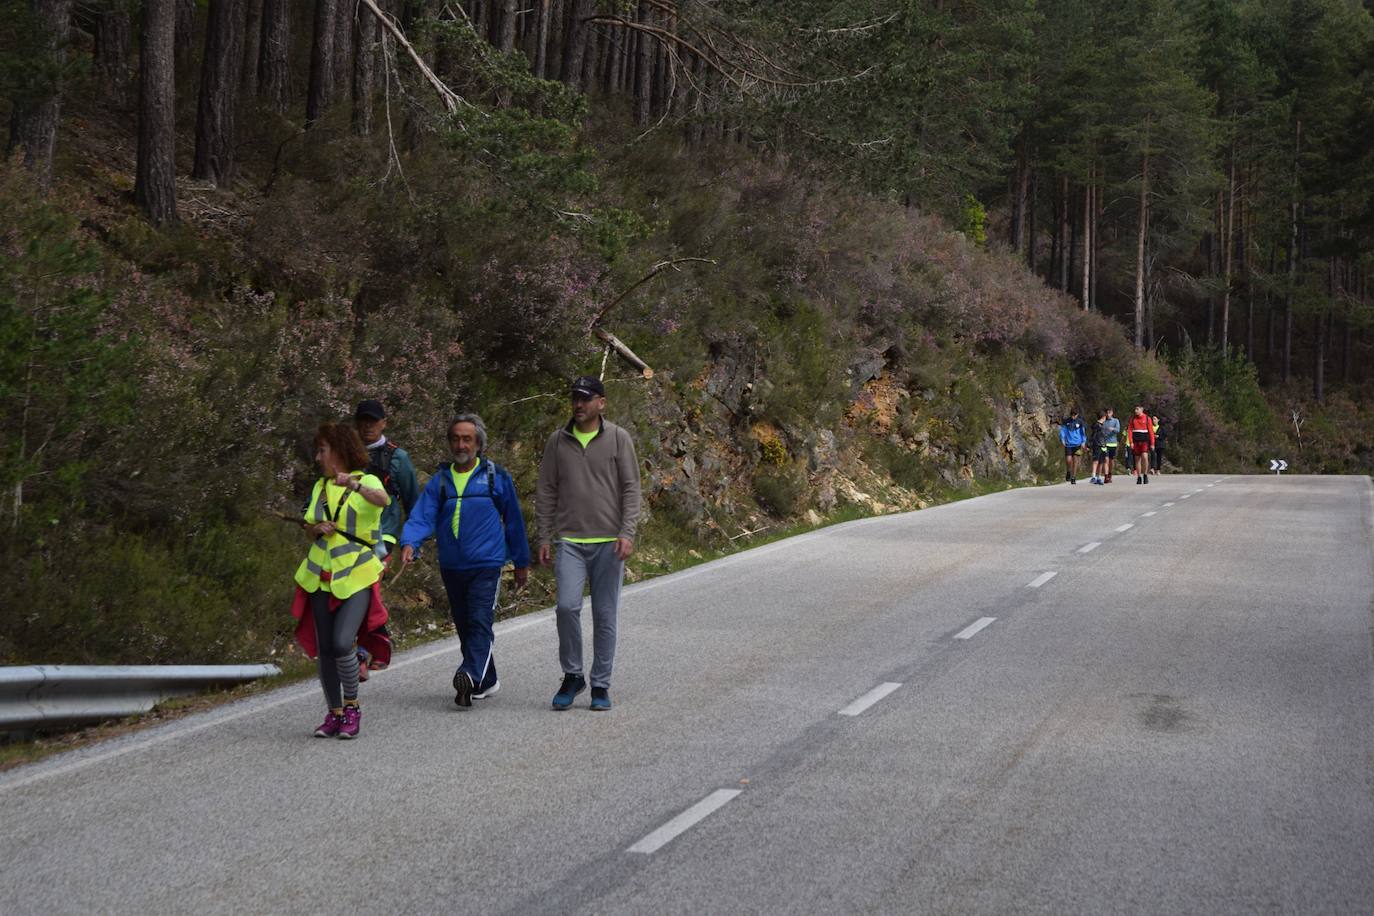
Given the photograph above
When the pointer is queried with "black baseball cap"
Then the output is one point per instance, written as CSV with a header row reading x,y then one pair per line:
x,y
370,409
588,386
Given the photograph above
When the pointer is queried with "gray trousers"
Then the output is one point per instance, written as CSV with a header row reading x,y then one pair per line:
x,y
575,566
335,633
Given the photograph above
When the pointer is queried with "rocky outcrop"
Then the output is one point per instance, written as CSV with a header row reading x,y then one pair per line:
x,y
708,443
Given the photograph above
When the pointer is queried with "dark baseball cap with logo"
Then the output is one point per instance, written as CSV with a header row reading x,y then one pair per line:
x,y
588,386
370,410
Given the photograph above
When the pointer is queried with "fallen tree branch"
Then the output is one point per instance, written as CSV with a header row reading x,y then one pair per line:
x,y
653,272
452,100
618,345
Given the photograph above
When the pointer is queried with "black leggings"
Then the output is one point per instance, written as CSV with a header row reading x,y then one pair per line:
x,y
335,633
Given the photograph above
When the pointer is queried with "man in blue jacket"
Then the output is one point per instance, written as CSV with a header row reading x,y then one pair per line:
x,y
1072,434
471,508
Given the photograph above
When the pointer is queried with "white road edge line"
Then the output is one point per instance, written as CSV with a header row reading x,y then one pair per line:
x,y
974,628
1041,579
1126,527
1150,514
868,699
684,821
1090,547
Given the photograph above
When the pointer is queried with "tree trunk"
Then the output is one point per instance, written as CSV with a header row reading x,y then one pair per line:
x,y
590,58
1287,357
155,187
482,22
185,34
321,91
614,70
1319,355
274,63
1247,271
114,43
1030,223
1142,231
252,49
576,46
1066,242
33,118
1071,252
219,77
508,23
541,40
1087,238
1020,187
365,50
644,69
1096,248
1228,239
1292,260
345,19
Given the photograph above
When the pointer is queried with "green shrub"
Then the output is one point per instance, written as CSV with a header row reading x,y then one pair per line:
x,y
781,489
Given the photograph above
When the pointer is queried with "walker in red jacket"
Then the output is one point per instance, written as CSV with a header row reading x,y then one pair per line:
x,y
1140,431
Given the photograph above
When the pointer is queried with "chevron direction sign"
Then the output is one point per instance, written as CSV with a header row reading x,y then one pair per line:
x,y
1278,465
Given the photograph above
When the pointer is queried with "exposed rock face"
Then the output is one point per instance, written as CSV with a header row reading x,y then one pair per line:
x,y
705,442
1018,438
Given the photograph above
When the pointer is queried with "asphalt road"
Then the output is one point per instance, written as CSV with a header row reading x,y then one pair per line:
x,y
899,715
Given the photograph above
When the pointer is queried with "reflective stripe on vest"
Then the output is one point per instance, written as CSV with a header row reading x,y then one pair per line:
x,y
330,564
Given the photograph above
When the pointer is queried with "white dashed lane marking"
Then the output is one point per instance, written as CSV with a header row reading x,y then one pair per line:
x,y
975,628
1150,514
1126,527
1041,579
868,699
684,821
1089,548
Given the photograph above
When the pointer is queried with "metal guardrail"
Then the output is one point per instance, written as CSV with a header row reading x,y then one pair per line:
x,y
36,695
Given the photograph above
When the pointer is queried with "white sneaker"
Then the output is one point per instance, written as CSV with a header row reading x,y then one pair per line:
x,y
489,691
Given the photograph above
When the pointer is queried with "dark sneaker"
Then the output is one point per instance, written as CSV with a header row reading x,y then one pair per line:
x,y
351,722
1073,480
483,694
1138,481
1147,478
330,726
601,699
573,684
462,688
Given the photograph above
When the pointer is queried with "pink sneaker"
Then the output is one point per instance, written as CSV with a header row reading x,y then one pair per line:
x,y
350,723
330,726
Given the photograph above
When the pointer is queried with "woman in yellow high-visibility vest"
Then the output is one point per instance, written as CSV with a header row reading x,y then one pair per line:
x,y
337,596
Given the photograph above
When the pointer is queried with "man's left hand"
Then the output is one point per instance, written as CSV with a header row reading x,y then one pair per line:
x,y
522,576
623,548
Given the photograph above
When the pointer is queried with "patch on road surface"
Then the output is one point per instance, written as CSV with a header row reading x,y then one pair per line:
x,y
1163,713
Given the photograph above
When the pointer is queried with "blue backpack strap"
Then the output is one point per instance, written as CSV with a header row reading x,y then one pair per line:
x,y
493,469
445,482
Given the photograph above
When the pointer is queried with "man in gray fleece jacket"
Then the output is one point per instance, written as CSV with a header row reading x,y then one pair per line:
x,y
588,499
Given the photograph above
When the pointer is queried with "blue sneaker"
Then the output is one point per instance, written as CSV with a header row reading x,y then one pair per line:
x,y
573,684
601,699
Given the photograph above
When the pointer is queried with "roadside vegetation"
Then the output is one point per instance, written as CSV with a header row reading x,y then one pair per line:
x,y
824,346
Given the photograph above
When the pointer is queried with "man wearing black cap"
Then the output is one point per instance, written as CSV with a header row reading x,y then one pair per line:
x,y
392,466
588,499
